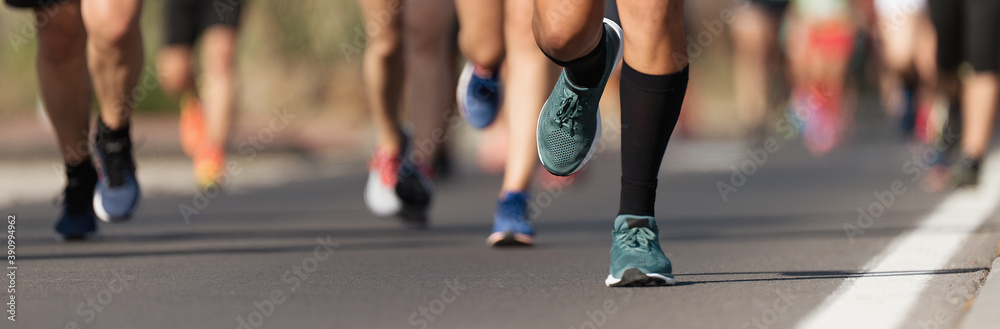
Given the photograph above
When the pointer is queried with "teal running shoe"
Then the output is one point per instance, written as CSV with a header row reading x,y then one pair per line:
x,y
636,257
569,125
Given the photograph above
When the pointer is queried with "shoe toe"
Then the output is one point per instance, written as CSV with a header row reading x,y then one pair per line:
x,y
116,204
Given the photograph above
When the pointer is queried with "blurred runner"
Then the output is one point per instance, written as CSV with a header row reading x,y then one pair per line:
x,y
570,33
821,37
82,42
203,132
401,169
967,55
757,61
494,32
907,70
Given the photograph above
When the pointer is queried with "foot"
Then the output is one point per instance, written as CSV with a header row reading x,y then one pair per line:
x,y
396,187
636,257
191,125
117,194
209,165
569,126
380,191
77,220
511,226
964,173
415,190
479,94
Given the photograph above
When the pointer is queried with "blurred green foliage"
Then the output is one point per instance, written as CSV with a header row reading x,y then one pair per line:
x,y
275,35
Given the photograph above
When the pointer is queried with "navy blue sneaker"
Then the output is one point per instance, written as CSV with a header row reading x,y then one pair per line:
x,y
117,194
77,220
511,226
479,96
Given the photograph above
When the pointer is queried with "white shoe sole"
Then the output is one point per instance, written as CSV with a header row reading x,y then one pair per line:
x,y
611,281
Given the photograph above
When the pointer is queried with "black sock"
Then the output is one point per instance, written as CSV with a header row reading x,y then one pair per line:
x,y
80,181
116,147
586,71
650,106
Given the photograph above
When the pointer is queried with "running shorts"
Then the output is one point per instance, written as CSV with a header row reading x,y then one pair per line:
x,y
188,19
967,32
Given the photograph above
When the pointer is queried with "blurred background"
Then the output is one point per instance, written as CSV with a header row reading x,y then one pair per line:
x,y
304,57
292,55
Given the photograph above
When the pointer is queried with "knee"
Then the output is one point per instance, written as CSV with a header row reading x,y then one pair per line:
x,y
486,54
386,44
175,74
556,41
62,38
113,27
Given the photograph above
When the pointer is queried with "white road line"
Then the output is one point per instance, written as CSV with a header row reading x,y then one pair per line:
x,y
880,300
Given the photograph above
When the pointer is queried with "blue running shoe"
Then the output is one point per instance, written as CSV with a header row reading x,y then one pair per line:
x,y
569,124
117,194
511,226
636,257
479,96
77,220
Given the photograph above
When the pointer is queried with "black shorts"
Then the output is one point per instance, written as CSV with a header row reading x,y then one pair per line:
x,y
775,8
967,32
187,19
33,3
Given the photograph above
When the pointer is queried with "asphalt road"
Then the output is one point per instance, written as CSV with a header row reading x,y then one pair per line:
x,y
307,254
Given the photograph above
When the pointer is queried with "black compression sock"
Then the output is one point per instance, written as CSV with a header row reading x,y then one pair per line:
x,y
588,70
80,181
651,105
116,148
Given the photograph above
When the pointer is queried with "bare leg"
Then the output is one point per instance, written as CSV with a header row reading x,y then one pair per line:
x,y
530,77
979,98
115,56
481,36
568,29
430,70
753,40
662,34
64,81
174,65
218,57
383,69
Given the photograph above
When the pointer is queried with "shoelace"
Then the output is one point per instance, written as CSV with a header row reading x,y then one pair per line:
x,y
569,111
637,239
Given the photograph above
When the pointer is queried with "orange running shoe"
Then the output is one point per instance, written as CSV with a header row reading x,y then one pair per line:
x,y
191,125
209,164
